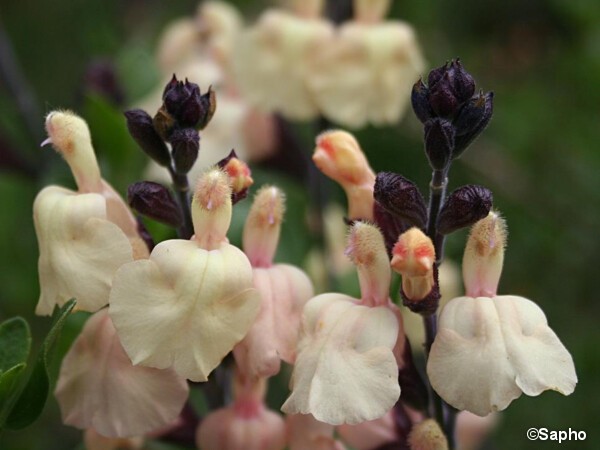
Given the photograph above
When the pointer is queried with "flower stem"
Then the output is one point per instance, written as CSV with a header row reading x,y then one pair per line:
x,y
443,413
182,188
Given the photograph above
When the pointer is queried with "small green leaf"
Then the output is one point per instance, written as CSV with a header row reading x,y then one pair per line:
x,y
15,343
33,396
9,383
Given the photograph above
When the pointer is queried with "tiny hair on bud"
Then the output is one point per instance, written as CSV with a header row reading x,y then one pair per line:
x,y
213,189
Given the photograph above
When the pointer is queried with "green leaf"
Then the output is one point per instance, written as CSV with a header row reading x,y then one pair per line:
x,y
32,399
9,383
15,343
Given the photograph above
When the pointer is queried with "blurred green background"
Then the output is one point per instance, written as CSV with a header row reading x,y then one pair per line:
x,y
540,156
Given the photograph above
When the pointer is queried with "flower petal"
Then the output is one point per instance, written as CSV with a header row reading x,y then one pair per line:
x,y
99,388
540,360
487,351
284,290
345,371
185,307
79,249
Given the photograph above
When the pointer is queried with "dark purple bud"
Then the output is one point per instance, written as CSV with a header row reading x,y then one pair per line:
x,y
170,85
464,140
401,198
469,116
164,123
420,101
439,142
436,75
185,104
175,95
155,201
427,305
463,207
186,144
208,103
141,128
442,97
464,84
391,226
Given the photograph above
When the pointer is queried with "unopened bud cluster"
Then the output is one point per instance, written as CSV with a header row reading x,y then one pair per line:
x,y
451,113
184,111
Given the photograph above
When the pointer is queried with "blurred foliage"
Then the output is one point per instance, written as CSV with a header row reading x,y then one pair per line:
x,y
539,156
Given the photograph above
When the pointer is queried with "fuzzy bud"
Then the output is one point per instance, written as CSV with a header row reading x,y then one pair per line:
x,y
339,156
239,174
263,225
155,201
186,144
484,256
70,136
401,198
414,258
439,142
463,207
211,209
427,435
366,249
141,128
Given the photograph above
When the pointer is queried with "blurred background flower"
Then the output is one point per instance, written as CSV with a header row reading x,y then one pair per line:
x,y
539,155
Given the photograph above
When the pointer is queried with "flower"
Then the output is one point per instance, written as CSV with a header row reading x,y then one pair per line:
x,y
364,73
188,304
272,63
84,236
345,371
492,348
284,289
99,388
246,424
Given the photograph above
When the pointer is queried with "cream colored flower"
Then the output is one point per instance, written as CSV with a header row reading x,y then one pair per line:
x,y
366,73
192,301
284,289
271,63
99,388
84,236
492,348
345,371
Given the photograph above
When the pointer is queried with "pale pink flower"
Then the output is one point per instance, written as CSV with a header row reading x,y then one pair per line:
x,y
99,388
284,289
307,433
346,371
246,424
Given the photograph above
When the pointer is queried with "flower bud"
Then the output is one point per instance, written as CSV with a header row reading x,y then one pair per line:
x,y
391,226
211,209
400,197
442,97
239,174
184,102
420,101
263,225
70,136
163,123
484,256
472,120
339,156
463,207
366,249
427,435
439,142
155,201
186,144
414,258
141,128
464,84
